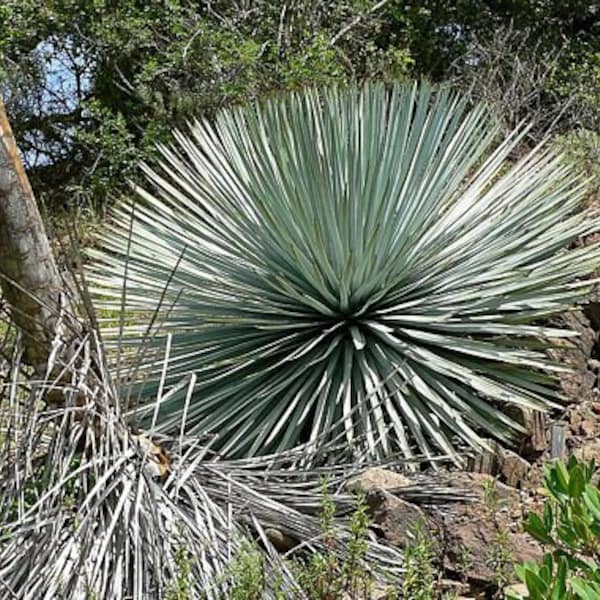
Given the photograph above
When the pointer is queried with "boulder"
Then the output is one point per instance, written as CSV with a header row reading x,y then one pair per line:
x,y
280,540
479,528
511,468
588,449
578,385
377,478
394,519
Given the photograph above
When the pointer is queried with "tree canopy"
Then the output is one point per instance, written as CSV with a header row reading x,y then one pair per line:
x,y
92,86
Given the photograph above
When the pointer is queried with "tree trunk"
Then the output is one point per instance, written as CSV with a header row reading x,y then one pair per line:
x,y
29,277
31,283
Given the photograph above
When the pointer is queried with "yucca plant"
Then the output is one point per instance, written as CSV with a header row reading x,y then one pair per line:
x,y
366,263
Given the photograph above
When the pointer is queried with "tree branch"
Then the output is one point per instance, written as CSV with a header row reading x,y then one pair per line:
x,y
344,30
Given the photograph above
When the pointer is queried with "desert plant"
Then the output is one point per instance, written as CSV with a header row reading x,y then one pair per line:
x,y
356,262
569,529
498,556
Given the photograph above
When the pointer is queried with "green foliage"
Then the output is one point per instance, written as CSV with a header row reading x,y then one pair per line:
x,y
84,78
464,563
181,587
498,556
247,574
93,86
419,582
355,262
490,497
569,528
500,560
358,577
582,147
325,576
320,576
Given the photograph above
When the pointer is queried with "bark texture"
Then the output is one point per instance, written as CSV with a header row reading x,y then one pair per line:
x,y
29,277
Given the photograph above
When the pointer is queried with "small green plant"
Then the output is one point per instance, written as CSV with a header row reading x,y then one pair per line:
x,y
490,497
358,578
321,575
569,528
181,588
582,148
419,577
465,563
247,573
325,576
498,557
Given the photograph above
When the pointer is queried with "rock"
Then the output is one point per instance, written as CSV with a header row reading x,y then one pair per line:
x,y
281,541
473,485
472,532
395,518
511,467
473,529
476,532
588,427
535,422
476,535
575,419
578,385
589,449
517,590
592,312
376,477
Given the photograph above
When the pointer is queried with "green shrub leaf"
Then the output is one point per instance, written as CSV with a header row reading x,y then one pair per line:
x,y
535,526
537,587
576,483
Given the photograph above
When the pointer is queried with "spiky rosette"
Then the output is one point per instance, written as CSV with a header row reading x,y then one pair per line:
x,y
364,262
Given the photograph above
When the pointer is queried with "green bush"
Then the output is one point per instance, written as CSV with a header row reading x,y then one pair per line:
x,y
582,147
419,581
569,529
328,575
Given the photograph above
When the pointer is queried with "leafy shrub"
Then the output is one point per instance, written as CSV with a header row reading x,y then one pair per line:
x,y
325,576
247,573
582,147
570,530
358,263
419,582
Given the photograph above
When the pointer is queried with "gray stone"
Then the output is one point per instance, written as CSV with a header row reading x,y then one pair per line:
x,y
376,477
